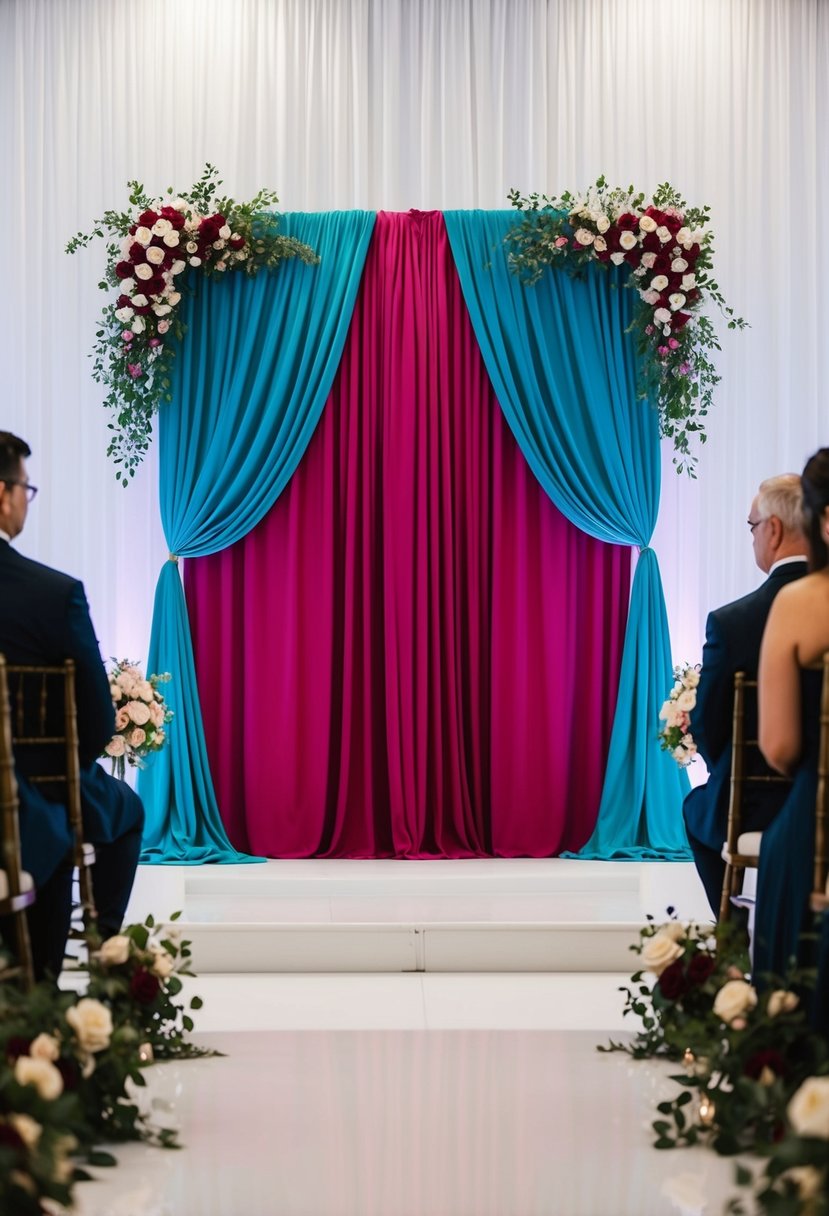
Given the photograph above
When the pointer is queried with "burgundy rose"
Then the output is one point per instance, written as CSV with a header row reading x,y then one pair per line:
x,y
672,222
674,282
68,1069
124,302
238,242
672,982
148,218
133,228
767,1058
17,1046
612,238
661,263
680,319
628,222
603,255
209,230
124,269
9,1138
701,965
219,220
691,255
651,243
144,986
154,286
137,253
175,217
141,310
633,257
692,296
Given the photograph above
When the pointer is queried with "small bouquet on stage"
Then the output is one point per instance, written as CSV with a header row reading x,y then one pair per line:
x,y
141,715
676,737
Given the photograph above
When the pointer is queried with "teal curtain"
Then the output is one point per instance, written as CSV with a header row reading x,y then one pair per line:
x,y
251,380
565,374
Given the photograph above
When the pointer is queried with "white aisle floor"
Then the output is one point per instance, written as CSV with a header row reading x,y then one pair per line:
x,y
412,1094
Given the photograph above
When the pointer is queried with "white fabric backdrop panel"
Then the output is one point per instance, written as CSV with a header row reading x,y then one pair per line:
x,y
392,104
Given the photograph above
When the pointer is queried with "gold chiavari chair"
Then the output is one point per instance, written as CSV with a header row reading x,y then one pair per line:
x,y
820,893
17,891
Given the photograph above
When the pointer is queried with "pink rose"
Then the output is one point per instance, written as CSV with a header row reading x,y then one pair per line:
x,y
122,718
127,335
672,342
156,714
163,326
154,342
134,370
139,712
137,737
116,746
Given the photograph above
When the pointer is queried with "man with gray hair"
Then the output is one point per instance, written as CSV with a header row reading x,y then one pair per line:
x,y
733,635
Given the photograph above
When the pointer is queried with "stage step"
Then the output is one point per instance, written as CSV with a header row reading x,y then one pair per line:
x,y
549,915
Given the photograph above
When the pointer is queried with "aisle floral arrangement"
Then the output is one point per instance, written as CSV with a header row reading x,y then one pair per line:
x,y
675,737
795,1179
154,251
70,1064
141,715
667,251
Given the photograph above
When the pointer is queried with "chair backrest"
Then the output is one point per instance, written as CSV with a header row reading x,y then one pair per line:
x,y
44,733
747,762
821,860
9,803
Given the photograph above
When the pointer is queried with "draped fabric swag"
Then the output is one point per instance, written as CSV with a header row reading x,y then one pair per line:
x,y
250,384
413,654
459,639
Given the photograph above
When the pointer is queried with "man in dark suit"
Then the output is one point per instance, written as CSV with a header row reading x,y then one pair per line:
x,y
44,619
732,643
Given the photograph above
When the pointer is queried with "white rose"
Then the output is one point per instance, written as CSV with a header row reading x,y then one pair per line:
x,y
140,301
224,232
602,223
143,236
195,261
650,297
240,255
92,1024
45,1047
171,239
617,258
42,1074
628,240
662,316
115,950
676,300
686,700
160,227
144,271
192,247
688,281
155,255
138,325
28,1129
659,282
139,712
691,677
683,235
659,951
648,260
735,998
124,315
674,930
663,233
781,1002
163,963
127,286
173,298
161,310
179,204
647,223
220,244
583,235
678,265
808,1110
600,244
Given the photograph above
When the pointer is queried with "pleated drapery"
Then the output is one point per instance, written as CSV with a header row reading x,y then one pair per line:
x,y
565,375
413,654
250,382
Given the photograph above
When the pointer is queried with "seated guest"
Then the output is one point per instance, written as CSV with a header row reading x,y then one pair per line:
x,y
796,637
732,643
44,619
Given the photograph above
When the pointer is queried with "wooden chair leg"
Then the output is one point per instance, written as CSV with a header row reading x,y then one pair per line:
x,y
24,951
725,898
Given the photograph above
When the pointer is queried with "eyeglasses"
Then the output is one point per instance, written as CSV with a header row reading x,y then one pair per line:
x,y
27,486
754,523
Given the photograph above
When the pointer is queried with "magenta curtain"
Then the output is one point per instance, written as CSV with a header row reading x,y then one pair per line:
x,y
414,654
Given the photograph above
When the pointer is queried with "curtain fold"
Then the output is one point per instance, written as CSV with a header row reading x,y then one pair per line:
x,y
250,384
414,654
564,372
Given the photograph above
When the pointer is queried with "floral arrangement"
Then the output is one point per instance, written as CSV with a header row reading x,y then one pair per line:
x,y
795,1181
674,992
138,974
140,715
666,248
676,736
153,249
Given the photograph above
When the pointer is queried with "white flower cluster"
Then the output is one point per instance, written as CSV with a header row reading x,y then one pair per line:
x,y
676,714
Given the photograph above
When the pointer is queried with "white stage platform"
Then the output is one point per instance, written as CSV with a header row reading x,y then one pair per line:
x,y
494,915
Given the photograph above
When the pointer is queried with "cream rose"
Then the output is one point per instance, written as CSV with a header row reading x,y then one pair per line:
x,y
156,714
143,236
584,236
92,1024
659,952
191,247
137,737
647,223
735,998
163,963
180,265
116,746
171,239
808,1110
121,718
648,260
650,297
138,325
659,282
115,950
676,300
662,316
808,1180
195,261
692,677
28,1129
674,930
617,258
42,1074
139,712
123,315
127,286
155,255
602,223
600,244
45,1047
678,265
224,232
628,240
663,233
781,1002
144,271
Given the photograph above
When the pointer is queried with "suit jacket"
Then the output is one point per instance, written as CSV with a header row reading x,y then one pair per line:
x,y
733,635
44,618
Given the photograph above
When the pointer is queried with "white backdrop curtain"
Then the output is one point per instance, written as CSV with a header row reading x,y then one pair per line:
x,y
392,104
